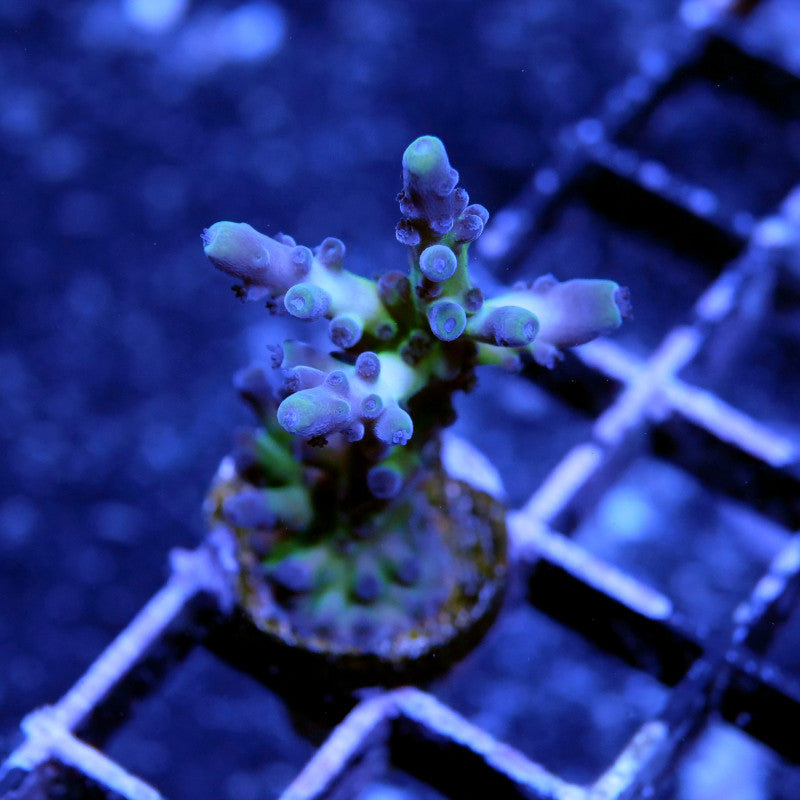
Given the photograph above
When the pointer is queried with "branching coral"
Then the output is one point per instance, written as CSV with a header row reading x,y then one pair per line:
x,y
400,334
344,432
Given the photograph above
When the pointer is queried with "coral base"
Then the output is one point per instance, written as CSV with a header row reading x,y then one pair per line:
x,y
401,600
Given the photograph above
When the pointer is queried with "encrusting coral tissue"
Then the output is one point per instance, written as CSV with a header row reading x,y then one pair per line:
x,y
352,542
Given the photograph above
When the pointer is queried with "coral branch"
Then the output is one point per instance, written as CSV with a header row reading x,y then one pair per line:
x,y
428,200
263,264
403,345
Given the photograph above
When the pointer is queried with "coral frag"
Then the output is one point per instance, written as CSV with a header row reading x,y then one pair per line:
x,y
351,539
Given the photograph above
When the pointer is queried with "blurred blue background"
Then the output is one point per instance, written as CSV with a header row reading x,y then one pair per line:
x,y
125,128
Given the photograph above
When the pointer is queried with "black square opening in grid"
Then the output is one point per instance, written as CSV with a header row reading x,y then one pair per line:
x,y
724,450
724,762
752,357
550,694
704,551
211,732
730,123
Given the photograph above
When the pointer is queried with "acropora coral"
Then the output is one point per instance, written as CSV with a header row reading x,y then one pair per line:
x,y
346,429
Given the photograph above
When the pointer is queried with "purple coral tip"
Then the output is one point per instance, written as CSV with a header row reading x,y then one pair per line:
x,y
622,298
368,366
438,262
447,319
